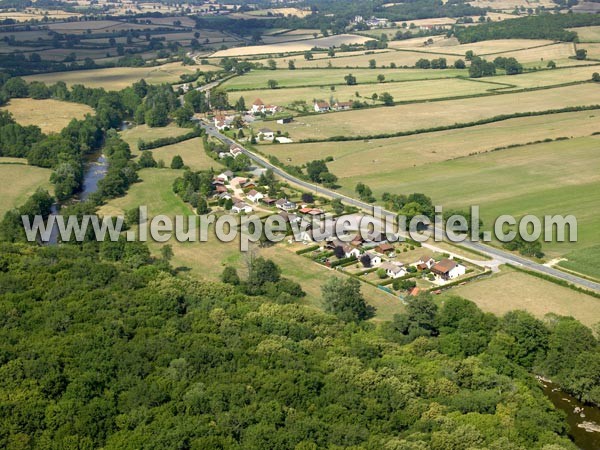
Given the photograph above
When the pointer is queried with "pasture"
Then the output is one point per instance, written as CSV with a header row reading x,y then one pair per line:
x,y
593,51
293,46
134,134
258,79
19,182
192,152
120,77
426,115
538,179
585,260
510,290
481,48
405,91
377,156
50,115
587,34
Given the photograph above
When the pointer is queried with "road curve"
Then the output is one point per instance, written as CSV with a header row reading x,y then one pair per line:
x,y
492,252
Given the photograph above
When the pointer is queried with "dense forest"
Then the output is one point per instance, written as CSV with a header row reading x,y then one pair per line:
x,y
103,346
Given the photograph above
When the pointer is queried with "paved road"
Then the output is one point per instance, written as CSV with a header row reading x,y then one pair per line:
x,y
496,254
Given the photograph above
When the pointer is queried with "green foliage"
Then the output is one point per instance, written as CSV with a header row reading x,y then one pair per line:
x,y
146,160
343,298
177,162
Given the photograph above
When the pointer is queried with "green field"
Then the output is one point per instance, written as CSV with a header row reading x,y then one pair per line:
x,y
510,290
258,79
134,134
585,261
538,179
191,151
372,157
19,181
425,115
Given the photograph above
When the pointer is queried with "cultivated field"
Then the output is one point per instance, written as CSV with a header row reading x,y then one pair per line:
x,y
19,181
426,115
294,46
510,5
258,79
120,77
379,156
481,48
50,115
548,77
588,34
537,179
510,290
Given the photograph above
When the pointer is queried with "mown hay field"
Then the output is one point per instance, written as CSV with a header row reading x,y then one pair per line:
x,y
394,155
50,115
409,117
587,34
120,77
515,290
293,46
19,182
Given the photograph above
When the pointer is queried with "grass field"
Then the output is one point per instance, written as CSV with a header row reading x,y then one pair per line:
x,y
258,79
293,46
19,181
585,261
405,91
481,48
587,34
120,77
510,290
548,77
373,157
191,151
426,115
593,51
50,115
541,179
207,259
134,134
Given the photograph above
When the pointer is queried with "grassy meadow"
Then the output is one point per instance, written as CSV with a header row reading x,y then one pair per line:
x,y
192,153
19,182
426,115
585,261
50,115
588,34
510,290
134,134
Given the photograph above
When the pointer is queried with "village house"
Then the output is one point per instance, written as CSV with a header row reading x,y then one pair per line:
x,y
377,22
342,106
254,196
223,155
374,259
268,201
393,270
235,150
285,205
248,185
238,181
349,250
424,262
241,207
447,269
322,106
226,176
224,196
385,248
266,134
258,107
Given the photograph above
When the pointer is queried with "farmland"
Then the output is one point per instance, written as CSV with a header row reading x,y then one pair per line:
x,y
588,34
585,261
442,113
19,181
50,115
510,290
134,134
120,77
192,153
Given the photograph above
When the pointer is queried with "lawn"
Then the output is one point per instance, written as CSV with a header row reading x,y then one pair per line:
x,y
511,290
585,260
120,77
404,91
587,34
257,79
542,179
19,181
50,115
373,157
425,115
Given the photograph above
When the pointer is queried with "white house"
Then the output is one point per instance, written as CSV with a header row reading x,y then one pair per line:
x,y
254,196
241,207
322,106
342,106
227,175
393,270
447,269
374,259
285,204
350,251
257,107
235,151
266,134
424,262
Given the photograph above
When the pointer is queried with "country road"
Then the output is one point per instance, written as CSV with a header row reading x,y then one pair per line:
x,y
498,255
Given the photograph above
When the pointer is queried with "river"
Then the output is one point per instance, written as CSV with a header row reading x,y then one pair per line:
x,y
95,169
583,420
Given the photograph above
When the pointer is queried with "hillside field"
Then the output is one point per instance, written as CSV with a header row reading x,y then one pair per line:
x,y
19,182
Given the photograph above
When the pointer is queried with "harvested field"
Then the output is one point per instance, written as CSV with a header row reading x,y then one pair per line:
x,y
50,115
587,34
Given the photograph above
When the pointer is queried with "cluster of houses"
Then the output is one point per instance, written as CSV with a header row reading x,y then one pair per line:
x,y
321,106
373,22
234,152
